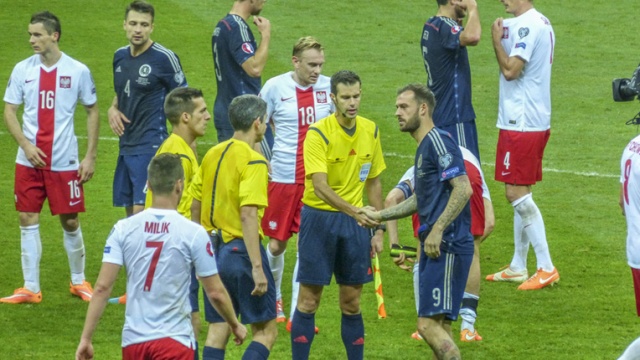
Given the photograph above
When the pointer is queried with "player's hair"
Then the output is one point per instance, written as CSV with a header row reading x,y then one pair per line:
x,y
422,94
306,43
50,22
180,100
442,2
163,172
346,77
244,110
141,7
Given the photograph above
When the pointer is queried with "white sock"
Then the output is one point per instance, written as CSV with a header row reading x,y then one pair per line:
x,y
31,253
295,288
416,285
74,245
632,352
533,229
468,311
520,241
276,263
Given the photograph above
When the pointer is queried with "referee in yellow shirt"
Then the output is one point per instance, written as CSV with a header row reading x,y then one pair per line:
x,y
342,158
229,197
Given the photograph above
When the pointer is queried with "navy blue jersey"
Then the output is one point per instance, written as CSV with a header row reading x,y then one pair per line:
x,y
437,161
232,44
448,72
141,84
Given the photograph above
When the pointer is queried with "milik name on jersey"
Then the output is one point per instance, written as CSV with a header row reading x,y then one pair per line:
x,y
153,227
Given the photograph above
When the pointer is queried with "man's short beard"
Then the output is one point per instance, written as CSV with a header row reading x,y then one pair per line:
x,y
411,125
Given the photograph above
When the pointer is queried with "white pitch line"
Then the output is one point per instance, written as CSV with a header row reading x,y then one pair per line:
x,y
579,173
404,156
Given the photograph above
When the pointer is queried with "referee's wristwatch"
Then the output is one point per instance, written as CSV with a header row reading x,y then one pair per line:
x,y
382,227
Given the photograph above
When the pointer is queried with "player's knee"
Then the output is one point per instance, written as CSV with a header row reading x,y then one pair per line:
x,y
350,306
429,329
28,219
308,305
277,247
265,333
218,335
70,222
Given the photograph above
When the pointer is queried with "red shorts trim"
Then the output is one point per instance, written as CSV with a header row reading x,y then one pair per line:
x,y
519,156
636,287
62,188
476,201
282,217
160,349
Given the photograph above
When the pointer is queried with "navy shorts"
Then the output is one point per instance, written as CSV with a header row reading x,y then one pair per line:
x,y
441,283
466,135
193,291
130,180
234,268
331,242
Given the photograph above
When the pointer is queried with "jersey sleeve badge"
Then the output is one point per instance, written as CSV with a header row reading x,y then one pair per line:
x,y
445,160
523,32
247,48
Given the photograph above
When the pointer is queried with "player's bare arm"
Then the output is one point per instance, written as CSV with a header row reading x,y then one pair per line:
x,y
373,187
219,297
404,209
87,165
510,66
394,197
34,154
116,118
196,205
255,64
472,32
325,193
251,236
101,292
459,197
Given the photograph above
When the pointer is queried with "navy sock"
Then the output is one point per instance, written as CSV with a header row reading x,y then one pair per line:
x,y
256,351
211,353
470,301
302,333
352,329
195,353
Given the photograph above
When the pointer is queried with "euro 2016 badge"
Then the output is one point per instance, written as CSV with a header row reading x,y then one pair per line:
x,y
364,171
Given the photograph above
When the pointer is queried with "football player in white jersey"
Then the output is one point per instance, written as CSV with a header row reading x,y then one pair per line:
x,y
630,204
158,247
524,49
295,100
50,84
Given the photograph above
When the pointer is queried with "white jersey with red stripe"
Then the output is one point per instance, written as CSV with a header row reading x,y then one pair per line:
x,y
50,96
292,108
525,102
469,160
630,181
472,160
158,249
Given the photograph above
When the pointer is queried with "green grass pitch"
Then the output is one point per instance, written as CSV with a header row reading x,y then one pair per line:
x,y
589,315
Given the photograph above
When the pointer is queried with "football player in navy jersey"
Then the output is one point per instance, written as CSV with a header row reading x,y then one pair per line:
x,y
144,72
239,62
444,50
441,199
